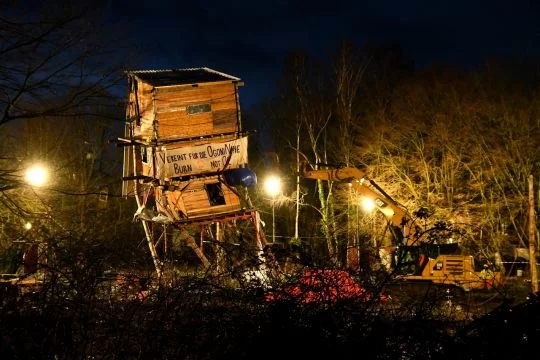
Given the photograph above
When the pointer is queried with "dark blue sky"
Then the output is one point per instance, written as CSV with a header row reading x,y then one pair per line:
x,y
249,39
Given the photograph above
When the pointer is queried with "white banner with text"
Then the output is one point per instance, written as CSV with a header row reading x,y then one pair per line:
x,y
202,159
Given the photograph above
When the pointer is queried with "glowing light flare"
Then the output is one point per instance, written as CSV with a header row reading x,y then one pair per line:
x,y
28,225
387,212
367,204
36,175
272,185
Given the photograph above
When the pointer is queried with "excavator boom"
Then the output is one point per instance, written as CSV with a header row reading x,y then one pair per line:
x,y
342,174
356,178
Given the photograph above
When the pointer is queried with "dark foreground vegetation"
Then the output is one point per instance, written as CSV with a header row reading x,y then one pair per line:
x,y
206,317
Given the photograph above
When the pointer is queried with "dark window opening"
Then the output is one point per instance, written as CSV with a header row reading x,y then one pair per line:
x,y
144,154
215,194
199,109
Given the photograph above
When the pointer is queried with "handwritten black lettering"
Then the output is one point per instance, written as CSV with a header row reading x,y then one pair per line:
x,y
182,169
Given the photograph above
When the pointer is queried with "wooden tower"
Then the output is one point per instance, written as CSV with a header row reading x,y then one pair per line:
x,y
185,155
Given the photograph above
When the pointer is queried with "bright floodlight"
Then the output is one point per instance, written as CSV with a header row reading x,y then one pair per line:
x,y
272,185
36,175
368,204
28,226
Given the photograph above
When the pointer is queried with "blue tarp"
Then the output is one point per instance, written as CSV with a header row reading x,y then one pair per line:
x,y
242,176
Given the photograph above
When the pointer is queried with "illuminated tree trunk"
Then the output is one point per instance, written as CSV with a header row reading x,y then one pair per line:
x,y
532,240
297,214
325,221
220,250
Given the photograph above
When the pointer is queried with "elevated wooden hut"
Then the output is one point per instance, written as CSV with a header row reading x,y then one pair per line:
x,y
185,128
185,155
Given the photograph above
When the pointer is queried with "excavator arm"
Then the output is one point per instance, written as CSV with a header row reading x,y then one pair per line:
x,y
356,178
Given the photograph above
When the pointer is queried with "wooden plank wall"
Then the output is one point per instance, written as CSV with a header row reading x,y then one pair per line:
x,y
197,204
174,120
168,105
193,200
146,108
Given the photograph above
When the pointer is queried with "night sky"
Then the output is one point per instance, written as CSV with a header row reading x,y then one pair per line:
x,y
249,39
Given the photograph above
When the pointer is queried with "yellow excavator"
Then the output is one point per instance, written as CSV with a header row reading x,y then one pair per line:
x,y
412,259
19,267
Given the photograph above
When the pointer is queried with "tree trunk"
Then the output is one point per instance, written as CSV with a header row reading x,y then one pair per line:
x,y
532,240
297,215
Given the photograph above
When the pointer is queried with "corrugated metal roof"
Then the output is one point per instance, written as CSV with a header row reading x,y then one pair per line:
x,y
181,76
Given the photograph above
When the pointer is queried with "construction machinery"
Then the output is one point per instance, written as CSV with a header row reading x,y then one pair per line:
x,y
413,258
19,267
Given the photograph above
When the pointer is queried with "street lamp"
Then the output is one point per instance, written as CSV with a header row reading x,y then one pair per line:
x,y
36,175
367,204
272,186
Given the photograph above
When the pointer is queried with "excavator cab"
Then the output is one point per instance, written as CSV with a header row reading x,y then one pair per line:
x,y
18,260
412,260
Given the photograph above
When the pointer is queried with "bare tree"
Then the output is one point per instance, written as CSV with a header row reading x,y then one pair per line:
x,y
462,145
53,64
349,68
314,114
60,76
